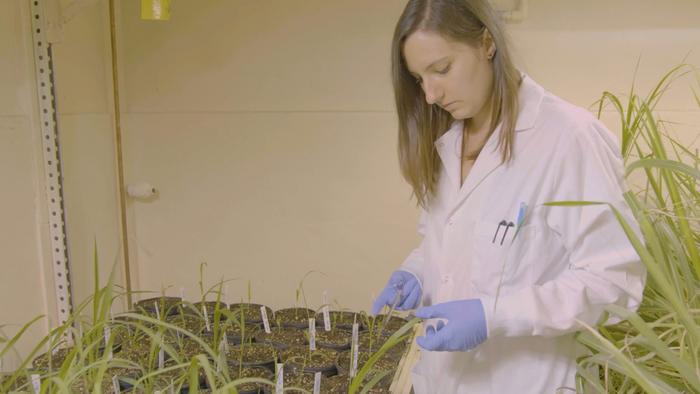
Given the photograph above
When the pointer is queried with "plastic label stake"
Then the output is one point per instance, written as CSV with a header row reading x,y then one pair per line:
x,y
279,385
312,334
326,312
115,385
108,334
182,293
266,322
161,359
155,303
225,341
317,383
36,383
355,346
206,317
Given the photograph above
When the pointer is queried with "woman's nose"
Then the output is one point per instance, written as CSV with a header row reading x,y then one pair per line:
x,y
433,93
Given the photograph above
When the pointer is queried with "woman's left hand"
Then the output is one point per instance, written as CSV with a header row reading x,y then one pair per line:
x,y
465,328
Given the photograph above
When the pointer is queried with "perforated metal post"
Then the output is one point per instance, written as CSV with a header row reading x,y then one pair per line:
x,y
52,161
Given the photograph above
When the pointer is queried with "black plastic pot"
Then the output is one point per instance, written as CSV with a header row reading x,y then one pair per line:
x,y
302,360
294,317
342,320
323,339
166,306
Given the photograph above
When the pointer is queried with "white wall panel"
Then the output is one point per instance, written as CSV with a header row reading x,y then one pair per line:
x,y
269,197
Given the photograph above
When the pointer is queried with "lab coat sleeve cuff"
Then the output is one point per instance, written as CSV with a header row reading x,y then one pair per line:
x,y
502,317
414,265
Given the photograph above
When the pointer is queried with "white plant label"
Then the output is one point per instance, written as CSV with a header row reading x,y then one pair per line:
x,y
206,317
279,385
161,359
312,334
326,312
182,293
266,322
225,341
353,367
36,383
317,383
108,334
115,385
155,303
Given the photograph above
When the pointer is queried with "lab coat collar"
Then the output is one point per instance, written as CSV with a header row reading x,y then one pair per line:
x,y
449,145
530,97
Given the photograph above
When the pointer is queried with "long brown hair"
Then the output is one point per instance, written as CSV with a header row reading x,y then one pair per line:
x,y
421,124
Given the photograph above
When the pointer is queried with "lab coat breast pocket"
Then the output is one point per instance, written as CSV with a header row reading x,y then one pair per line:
x,y
506,264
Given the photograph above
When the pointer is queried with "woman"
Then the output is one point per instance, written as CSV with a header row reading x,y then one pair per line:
x,y
504,280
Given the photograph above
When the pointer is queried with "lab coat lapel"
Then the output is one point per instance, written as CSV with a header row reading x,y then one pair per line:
x,y
530,96
449,148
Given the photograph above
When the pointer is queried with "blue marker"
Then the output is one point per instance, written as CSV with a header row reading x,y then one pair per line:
x,y
521,214
521,219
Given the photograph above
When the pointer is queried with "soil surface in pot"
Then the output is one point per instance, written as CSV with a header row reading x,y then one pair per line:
x,y
249,355
385,363
303,381
53,361
237,334
250,312
294,317
83,386
282,338
372,343
193,324
301,359
252,372
337,384
21,383
334,339
393,325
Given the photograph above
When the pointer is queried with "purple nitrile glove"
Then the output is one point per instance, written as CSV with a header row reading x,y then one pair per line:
x,y
410,292
465,328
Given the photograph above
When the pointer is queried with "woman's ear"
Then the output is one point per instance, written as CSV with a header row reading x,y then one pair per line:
x,y
488,45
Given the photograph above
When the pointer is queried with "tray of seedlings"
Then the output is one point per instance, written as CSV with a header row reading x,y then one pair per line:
x,y
170,345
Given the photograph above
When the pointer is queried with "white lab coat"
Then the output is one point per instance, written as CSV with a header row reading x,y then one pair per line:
x,y
566,263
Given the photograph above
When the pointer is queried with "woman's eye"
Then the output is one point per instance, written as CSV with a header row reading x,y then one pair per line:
x,y
444,70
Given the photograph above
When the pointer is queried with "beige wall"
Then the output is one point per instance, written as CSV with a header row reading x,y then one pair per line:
x,y
271,135
268,128
26,289
84,99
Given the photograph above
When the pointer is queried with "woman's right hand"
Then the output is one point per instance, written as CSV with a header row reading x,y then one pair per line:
x,y
410,292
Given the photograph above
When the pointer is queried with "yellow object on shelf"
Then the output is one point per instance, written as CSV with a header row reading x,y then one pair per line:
x,y
158,10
